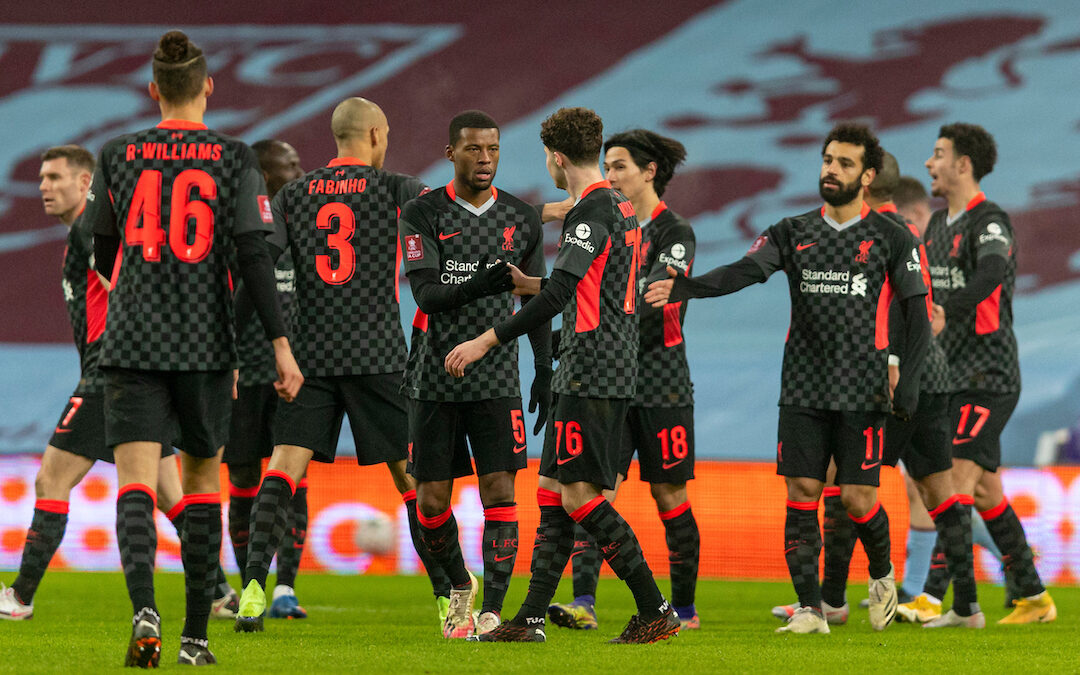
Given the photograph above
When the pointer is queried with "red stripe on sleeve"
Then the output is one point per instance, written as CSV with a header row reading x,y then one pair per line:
x,y
52,506
988,313
97,306
588,293
283,476
436,521
881,323
675,512
420,320
996,511
582,512
869,514
397,266
672,325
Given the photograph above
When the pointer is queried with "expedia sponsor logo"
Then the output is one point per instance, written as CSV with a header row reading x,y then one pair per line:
x,y
913,264
69,294
827,282
677,261
994,232
583,232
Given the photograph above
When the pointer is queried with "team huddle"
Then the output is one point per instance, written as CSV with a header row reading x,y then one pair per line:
x,y
203,270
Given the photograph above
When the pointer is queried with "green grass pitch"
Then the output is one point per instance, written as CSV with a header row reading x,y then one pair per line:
x,y
388,624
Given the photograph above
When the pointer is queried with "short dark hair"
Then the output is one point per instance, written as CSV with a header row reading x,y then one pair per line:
x,y
857,134
179,67
76,155
647,146
266,147
470,119
974,142
883,186
577,133
909,191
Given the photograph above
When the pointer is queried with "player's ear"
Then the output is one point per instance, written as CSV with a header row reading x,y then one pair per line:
x,y
450,152
650,171
868,177
154,93
208,87
84,181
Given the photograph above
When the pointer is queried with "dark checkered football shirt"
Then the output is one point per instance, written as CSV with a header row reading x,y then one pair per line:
x,y
981,348
87,305
172,305
841,285
663,372
599,244
256,354
935,376
439,232
340,225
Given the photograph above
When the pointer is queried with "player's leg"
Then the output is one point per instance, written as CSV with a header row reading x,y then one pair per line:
x,y
839,543
60,471
291,549
921,538
859,451
440,583
951,513
980,536
802,457
250,440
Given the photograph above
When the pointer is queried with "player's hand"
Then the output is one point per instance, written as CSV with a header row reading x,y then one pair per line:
x,y
469,352
894,377
556,343
937,322
904,403
290,379
523,283
489,280
660,291
235,383
540,396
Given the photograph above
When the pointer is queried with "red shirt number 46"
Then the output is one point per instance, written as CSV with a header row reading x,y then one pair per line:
x,y
191,220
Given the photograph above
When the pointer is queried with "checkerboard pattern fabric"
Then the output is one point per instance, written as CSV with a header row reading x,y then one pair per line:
x,y
684,550
87,303
935,377
802,545
339,223
981,348
663,371
269,516
253,347
200,549
454,241
841,284
599,244
953,527
178,195
137,539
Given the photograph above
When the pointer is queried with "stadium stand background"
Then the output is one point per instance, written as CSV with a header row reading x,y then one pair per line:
x,y
749,87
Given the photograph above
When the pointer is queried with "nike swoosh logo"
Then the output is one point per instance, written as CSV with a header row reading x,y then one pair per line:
x,y
568,459
443,235
803,247
505,557
675,463
789,550
62,431
518,449
871,465
961,441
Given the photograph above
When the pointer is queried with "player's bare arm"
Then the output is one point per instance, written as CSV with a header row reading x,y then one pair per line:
x,y
523,284
469,352
290,379
660,291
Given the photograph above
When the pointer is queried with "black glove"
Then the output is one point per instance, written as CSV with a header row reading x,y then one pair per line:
x,y
556,341
904,403
540,396
488,280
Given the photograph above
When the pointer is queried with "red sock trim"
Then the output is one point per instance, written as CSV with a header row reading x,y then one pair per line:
x,y
869,514
966,500
177,509
833,491
283,476
434,521
503,514
801,506
243,492
409,496
302,483
52,506
582,512
944,506
675,512
996,511
137,487
545,497
205,498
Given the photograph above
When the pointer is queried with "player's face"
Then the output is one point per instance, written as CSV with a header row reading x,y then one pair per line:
x,y
281,167
842,176
475,157
918,214
625,175
554,170
943,168
61,190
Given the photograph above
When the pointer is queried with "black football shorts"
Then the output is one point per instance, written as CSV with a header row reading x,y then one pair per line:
x,y
978,418
81,428
251,436
441,434
809,437
151,405
924,441
664,441
376,415
583,440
